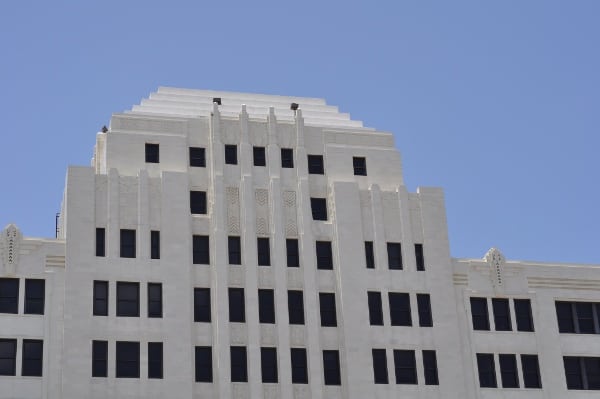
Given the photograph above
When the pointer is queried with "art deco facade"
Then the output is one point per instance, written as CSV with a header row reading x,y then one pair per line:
x,y
228,245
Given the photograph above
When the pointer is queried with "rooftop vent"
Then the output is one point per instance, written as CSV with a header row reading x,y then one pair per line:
x,y
293,106
217,100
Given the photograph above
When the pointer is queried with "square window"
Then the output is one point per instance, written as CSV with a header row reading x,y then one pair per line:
x,y
299,366
360,166
315,165
100,306
128,243
155,360
203,363
152,153
197,157
263,251
8,356
296,307
155,300
369,255
268,365
128,359
231,154
318,207
100,241
237,306
198,202
266,306
399,309
292,253
155,244
287,158
9,295
234,247
202,305
99,358
128,299
260,158
239,364
201,252
405,366
331,367
35,293
327,309
394,256
324,255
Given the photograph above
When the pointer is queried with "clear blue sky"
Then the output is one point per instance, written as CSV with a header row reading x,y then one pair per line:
x,y
495,101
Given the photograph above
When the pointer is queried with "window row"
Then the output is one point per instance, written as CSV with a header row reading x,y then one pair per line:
x,y
32,352
127,359
578,317
35,294
405,367
128,299
582,372
502,316
509,371
400,309
197,158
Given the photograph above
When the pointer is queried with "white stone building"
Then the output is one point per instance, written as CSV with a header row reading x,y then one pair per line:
x,y
229,245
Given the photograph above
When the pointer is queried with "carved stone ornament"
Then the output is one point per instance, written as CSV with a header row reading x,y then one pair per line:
x,y
10,243
496,261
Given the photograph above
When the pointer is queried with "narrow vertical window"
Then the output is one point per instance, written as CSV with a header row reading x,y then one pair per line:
x,y
152,152
369,255
531,371
318,208
486,370
406,366
9,295
299,366
155,244
331,367
231,154
293,255
239,364
585,317
266,306
327,309
197,157
375,308
100,306
523,315
420,259
203,364
360,166
592,372
99,358
324,255
201,251
202,305
35,293
380,371
399,309
501,314
296,307
155,360
8,356
128,359
128,299
237,307
508,370
287,158
424,307
100,241
127,243
479,314
198,202
430,369
260,158
155,306
573,372
263,251
268,365
234,247
315,165
564,314
394,255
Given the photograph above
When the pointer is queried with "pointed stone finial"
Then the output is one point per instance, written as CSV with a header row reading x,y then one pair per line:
x,y
496,261
10,243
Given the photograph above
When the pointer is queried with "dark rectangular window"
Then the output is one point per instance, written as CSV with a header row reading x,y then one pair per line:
x,y
424,307
574,372
237,307
260,158
327,309
479,314
155,307
155,360
523,315
508,370
266,306
430,369
128,359
318,207
263,251
35,293
155,244
296,307
268,365
203,364
128,299
234,246
100,306
564,314
202,305
231,154
585,317
287,158
360,166
127,243
405,366
375,308
299,366
331,367
198,202
501,314
152,152
486,369
399,309
380,371
239,364
394,251
531,371
100,241
99,358
198,157
201,251
315,165
419,257
591,366
9,295
369,255
8,356
293,255
324,255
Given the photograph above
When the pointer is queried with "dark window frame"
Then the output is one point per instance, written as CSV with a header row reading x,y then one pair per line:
x,y
331,367
154,244
127,364
419,257
202,305
486,369
316,165
263,251
359,165
424,310
155,360
152,153
292,252
234,250
128,307
35,296
287,158
509,374
198,202
259,156
394,251
405,366
239,363
400,309
231,155
501,310
99,358
299,365
480,317
8,357
523,314
324,254
128,238
9,295
197,157
327,309
530,367
200,249
380,370
100,298
100,241
237,305
203,364
375,304
155,300
268,365
369,255
296,307
318,207
430,369
266,306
